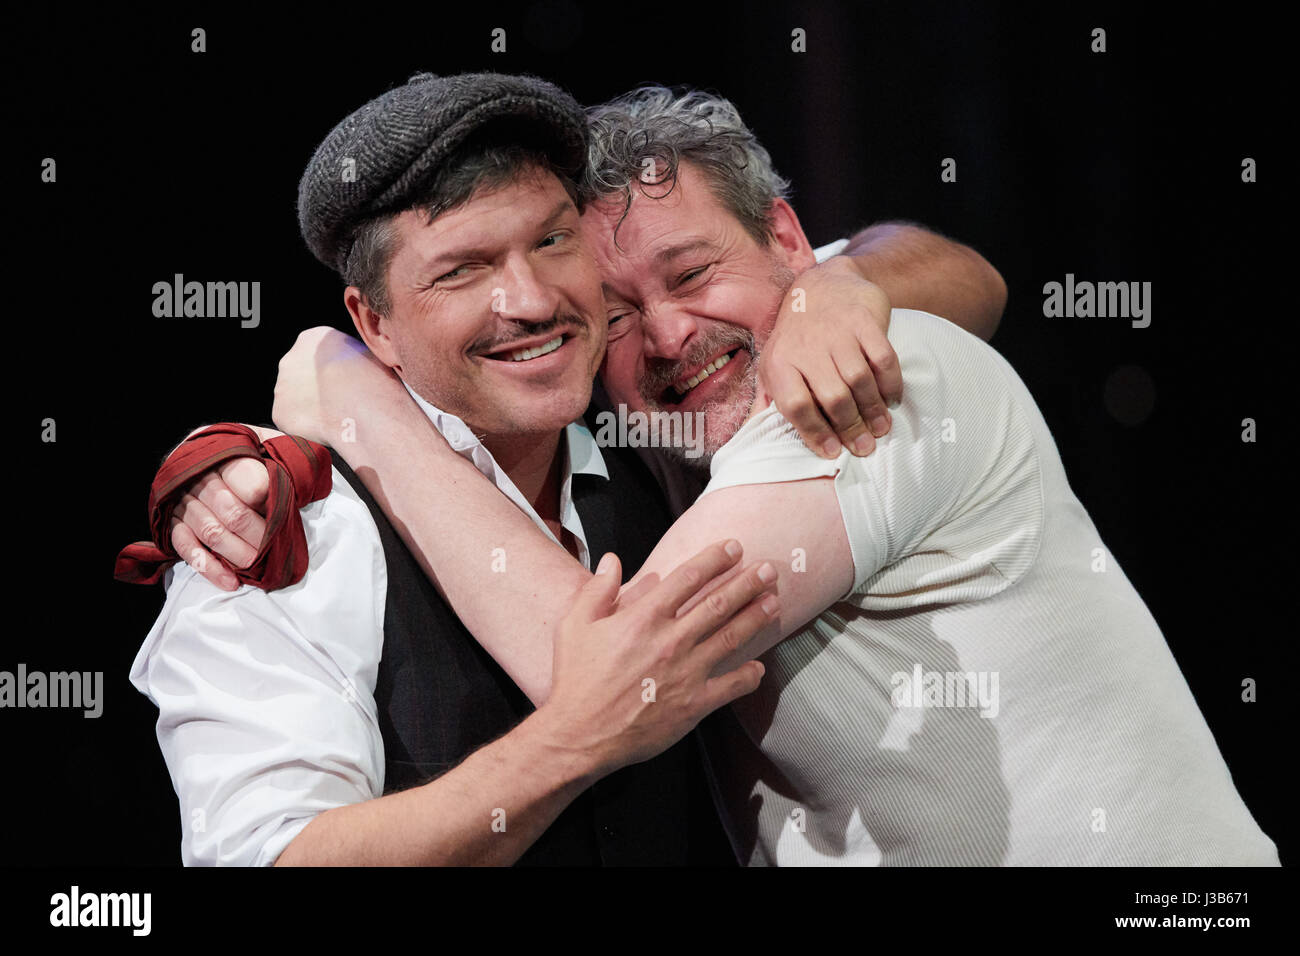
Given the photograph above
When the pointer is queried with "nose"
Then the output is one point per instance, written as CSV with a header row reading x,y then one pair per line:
x,y
522,294
666,329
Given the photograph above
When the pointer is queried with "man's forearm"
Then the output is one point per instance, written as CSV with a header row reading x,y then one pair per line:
x,y
514,612
921,270
486,811
512,609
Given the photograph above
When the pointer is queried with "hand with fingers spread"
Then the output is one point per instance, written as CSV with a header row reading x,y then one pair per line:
x,y
632,676
633,673
828,364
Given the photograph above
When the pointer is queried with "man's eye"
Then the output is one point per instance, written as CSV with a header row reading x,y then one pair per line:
x,y
686,277
620,324
453,274
550,240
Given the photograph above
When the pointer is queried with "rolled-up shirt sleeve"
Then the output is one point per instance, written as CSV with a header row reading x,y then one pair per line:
x,y
266,699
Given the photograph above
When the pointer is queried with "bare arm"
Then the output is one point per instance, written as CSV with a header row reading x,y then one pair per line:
x,y
922,270
399,455
542,577
525,779
493,805
513,615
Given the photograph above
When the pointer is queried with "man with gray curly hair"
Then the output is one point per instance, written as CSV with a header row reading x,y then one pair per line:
x,y
638,142
637,138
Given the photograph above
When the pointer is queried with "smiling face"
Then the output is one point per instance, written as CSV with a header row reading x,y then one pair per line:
x,y
495,310
691,296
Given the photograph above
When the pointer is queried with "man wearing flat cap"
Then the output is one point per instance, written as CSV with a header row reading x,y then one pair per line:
x,y
351,716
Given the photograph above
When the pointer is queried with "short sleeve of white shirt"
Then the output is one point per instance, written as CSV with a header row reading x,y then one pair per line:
x,y
949,505
822,253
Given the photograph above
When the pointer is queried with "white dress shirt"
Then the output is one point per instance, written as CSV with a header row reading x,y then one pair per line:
x,y
266,700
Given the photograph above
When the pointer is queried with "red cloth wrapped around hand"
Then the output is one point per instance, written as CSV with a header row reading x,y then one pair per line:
x,y
299,472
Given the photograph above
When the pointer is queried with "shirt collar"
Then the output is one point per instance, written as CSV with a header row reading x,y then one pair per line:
x,y
583,458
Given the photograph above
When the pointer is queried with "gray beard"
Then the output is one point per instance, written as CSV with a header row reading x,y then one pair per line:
x,y
722,418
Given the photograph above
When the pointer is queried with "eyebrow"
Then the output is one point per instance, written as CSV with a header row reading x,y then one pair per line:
x,y
681,249
609,292
477,252
562,207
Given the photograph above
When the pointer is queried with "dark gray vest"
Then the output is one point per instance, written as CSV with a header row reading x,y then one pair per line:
x,y
440,696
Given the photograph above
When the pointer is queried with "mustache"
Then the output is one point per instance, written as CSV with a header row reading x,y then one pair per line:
x,y
660,373
518,331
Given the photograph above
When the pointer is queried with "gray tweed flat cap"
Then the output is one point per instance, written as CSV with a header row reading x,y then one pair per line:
x,y
398,140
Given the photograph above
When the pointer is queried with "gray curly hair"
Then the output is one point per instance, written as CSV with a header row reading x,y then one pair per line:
x,y
703,128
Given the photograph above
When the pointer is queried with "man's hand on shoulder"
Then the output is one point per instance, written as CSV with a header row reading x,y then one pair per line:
x,y
325,373
222,515
828,364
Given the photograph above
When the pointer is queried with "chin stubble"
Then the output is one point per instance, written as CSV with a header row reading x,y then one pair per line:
x,y
723,416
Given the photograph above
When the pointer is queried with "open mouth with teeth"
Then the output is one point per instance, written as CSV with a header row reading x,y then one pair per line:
x,y
528,354
676,393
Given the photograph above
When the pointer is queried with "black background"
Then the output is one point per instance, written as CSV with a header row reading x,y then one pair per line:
x,y
1122,166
